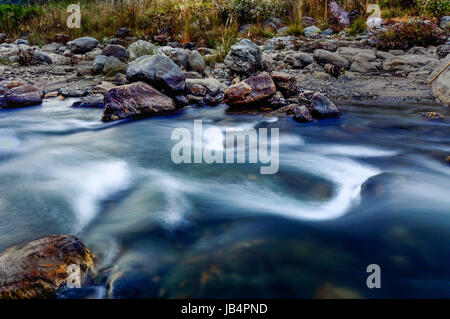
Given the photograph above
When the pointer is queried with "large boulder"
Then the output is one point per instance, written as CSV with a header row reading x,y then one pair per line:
x,y
323,57
113,65
254,89
23,95
117,51
179,56
441,85
244,58
311,32
298,59
42,57
445,23
365,63
135,100
196,62
99,63
322,107
285,83
157,70
338,17
82,45
40,267
141,48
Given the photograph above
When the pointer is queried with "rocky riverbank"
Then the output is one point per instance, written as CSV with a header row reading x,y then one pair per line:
x,y
277,75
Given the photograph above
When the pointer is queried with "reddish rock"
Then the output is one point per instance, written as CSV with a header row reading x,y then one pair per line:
x,y
254,89
285,83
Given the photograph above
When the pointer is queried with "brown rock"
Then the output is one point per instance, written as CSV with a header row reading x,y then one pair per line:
x,y
135,100
285,82
301,114
38,268
254,89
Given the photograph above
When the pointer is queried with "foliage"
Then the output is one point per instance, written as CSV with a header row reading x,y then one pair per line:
x,y
358,26
295,29
434,8
12,15
405,35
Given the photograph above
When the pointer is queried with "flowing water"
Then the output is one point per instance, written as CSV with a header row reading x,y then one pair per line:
x,y
371,187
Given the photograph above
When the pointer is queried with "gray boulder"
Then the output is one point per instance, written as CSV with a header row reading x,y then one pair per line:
x,y
141,48
311,32
42,57
99,63
135,100
196,62
179,56
157,70
113,65
445,23
244,58
82,45
117,51
323,57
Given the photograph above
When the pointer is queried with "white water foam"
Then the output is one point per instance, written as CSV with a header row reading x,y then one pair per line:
x,y
93,183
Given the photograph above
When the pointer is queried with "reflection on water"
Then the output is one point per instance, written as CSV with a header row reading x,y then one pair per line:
x,y
371,187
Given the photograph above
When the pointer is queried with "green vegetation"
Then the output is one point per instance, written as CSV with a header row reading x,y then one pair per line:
x,y
358,26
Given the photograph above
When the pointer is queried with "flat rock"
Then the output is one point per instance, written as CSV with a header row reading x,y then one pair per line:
x,y
323,57
135,100
92,101
23,95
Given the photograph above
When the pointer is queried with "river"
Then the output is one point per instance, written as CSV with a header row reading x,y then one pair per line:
x,y
371,187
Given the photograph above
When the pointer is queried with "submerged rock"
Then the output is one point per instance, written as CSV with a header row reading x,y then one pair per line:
x,y
95,101
39,268
254,89
322,107
157,70
244,57
134,101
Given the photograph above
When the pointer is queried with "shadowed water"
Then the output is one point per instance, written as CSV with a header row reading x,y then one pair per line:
x,y
370,187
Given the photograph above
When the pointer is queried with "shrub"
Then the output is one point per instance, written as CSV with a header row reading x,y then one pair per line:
x,y
12,15
405,35
434,8
295,29
358,26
